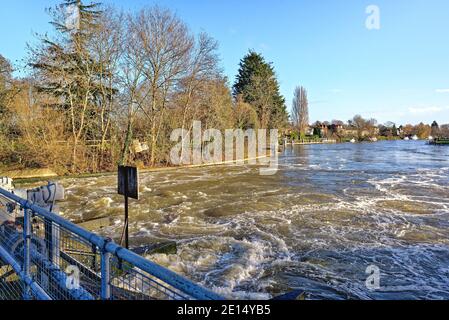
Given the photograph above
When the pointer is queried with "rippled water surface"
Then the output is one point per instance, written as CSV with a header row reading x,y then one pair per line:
x,y
329,213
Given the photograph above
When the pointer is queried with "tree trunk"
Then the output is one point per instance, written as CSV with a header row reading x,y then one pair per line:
x,y
74,154
153,143
127,144
103,144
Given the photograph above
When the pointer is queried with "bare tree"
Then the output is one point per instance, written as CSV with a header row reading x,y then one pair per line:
x,y
202,68
337,123
300,109
5,77
360,124
444,131
364,127
5,69
108,48
165,74
163,46
112,78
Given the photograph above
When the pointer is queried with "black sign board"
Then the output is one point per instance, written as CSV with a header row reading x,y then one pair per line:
x,y
128,182
128,186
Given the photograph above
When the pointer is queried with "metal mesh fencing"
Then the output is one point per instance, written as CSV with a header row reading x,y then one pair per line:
x,y
11,286
61,261
129,282
65,265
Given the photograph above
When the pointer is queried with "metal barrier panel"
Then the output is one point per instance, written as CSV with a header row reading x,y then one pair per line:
x,y
11,286
65,265
129,282
62,261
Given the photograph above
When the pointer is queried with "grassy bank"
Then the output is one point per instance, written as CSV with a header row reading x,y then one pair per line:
x,y
25,176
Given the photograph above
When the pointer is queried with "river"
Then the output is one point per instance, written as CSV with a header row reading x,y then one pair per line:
x,y
329,213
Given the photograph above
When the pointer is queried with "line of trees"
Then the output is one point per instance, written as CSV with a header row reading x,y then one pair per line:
x,y
366,129
106,81
357,127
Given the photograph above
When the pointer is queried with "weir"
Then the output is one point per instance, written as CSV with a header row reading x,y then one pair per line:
x,y
45,257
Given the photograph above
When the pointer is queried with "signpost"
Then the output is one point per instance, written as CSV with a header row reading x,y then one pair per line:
x,y
128,186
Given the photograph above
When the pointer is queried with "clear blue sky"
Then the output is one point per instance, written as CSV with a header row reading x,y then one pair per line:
x,y
398,73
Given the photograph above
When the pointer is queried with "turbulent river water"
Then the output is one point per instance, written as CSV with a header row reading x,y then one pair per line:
x,y
329,213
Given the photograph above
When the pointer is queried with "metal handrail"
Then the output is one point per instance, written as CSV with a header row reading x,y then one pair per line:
x,y
40,293
109,248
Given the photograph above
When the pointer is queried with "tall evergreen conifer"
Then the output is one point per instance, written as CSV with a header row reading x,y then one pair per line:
x,y
257,84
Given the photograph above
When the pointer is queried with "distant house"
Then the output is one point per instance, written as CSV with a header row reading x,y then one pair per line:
x,y
319,128
326,130
336,127
351,131
348,131
309,131
341,130
323,130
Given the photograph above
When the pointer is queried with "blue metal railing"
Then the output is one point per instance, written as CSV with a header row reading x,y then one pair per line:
x,y
121,274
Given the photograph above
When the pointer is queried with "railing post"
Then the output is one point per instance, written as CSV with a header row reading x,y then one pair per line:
x,y
105,275
26,250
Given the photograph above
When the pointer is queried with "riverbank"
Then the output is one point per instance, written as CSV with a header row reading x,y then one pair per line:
x,y
26,176
305,143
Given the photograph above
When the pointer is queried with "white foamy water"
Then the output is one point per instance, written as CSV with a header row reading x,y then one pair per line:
x,y
329,213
